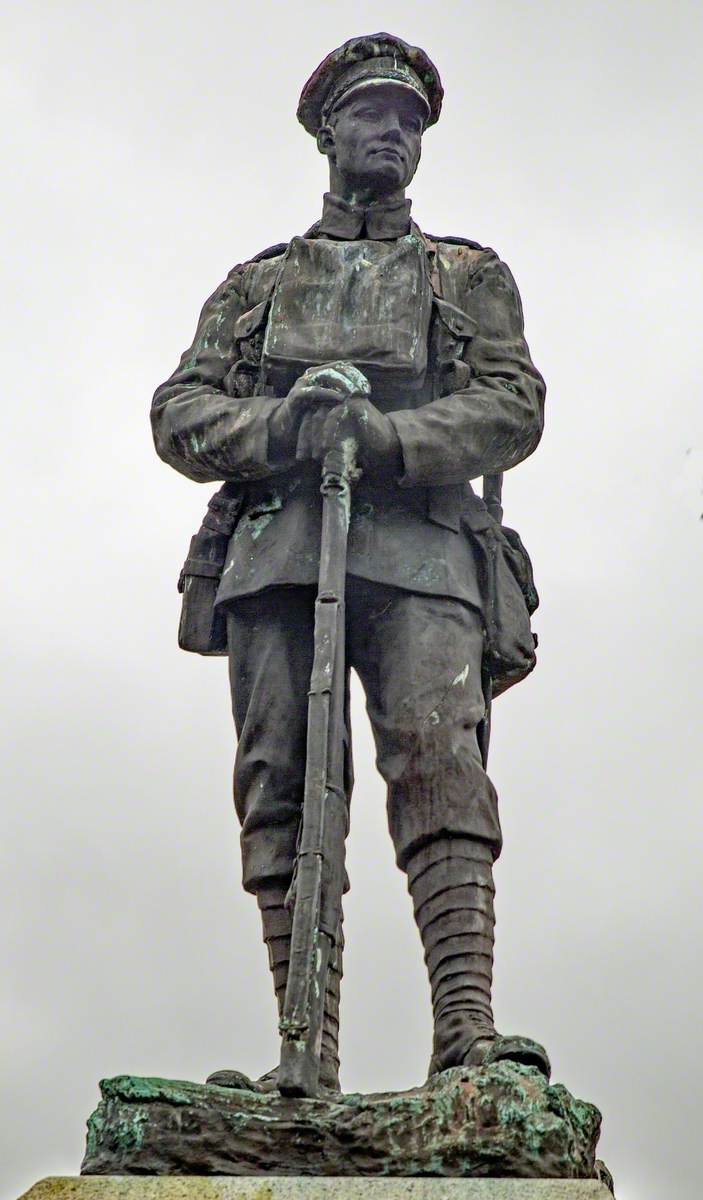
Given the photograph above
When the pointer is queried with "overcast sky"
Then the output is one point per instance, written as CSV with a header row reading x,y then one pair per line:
x,y
148,147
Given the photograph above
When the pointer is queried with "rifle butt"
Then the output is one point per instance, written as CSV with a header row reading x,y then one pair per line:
x,y
299,1070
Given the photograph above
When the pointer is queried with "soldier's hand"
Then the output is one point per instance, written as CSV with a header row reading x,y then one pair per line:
x,y
318,389
347,381
378,445
285,422
341,375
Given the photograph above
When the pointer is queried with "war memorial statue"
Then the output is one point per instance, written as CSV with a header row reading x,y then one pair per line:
x,y
358,393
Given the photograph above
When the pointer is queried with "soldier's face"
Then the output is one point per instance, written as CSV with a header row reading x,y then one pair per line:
x,y
374,138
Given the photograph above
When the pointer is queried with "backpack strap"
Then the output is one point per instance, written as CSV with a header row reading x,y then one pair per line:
x,y
435,277
492,484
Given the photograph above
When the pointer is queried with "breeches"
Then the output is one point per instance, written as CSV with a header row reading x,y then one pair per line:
x,y
419,661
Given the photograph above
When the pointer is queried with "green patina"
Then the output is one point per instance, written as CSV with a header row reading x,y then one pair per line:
x,y
493,1121
252,527
96,1129
123,1126
257,525
431,572
147,1088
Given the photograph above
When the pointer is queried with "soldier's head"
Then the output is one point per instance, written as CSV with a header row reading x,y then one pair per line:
x,y
368,105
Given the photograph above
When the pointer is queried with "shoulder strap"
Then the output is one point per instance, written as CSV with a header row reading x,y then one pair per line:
x,y
492,484
270,252
431,249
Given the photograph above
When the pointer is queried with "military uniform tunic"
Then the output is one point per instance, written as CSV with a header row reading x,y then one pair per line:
x,y
415,632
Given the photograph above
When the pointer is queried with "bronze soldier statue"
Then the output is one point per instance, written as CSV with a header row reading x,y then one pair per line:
x,y
410,347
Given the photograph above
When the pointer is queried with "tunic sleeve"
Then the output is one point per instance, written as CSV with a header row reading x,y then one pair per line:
x,y
496,420
198,428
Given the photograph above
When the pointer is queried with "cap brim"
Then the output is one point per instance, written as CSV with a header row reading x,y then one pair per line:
x,y
382,81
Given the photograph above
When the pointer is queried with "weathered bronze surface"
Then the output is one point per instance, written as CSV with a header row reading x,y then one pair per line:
x,y
392,366
493,1121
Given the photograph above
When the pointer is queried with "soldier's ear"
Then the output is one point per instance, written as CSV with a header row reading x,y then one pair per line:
x,y
325,141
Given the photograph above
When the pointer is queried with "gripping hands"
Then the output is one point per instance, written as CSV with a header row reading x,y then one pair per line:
x,y
328,404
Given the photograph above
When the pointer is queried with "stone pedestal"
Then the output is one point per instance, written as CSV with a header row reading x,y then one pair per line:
x,y
214,1187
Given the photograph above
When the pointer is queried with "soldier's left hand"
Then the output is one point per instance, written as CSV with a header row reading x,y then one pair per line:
x,y
378,446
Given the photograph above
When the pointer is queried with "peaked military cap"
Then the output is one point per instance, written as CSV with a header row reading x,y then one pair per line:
x,y
377,57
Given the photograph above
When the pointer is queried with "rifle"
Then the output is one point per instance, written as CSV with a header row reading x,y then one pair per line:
x,y
493,499
319,873
493,496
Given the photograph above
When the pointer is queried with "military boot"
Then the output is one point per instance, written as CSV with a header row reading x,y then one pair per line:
x,y
451,884
277,924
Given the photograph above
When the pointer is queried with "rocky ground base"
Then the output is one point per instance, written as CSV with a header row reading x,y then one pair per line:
x,y
499,1121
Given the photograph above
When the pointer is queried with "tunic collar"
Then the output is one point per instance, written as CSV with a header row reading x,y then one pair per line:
x,y
377,221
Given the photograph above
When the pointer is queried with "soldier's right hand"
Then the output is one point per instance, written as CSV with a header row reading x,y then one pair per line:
x,y
284,423
348,381
318,390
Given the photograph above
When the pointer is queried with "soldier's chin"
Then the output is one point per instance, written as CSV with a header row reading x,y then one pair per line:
x,y
388,174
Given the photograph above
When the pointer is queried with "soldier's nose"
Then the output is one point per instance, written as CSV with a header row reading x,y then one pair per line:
x,y
393,131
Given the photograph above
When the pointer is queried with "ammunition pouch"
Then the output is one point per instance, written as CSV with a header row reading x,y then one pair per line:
x,y
508,594
203,629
